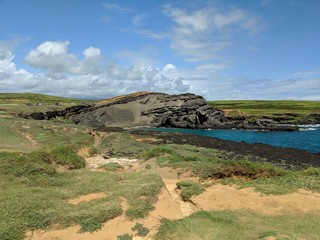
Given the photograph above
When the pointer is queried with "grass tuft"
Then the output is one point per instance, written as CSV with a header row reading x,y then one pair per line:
x,y
65,155
189,188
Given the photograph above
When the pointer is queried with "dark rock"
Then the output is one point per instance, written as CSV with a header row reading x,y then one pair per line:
x,y
156,110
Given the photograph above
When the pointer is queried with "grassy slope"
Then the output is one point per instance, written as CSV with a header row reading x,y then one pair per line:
x,y
30,102
257,109
32,97
33,194
238,225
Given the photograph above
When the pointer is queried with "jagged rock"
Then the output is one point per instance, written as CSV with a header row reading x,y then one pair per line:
x,y
152,109
155,110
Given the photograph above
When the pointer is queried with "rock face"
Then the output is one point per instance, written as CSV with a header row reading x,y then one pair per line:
x,y
155,110
152,109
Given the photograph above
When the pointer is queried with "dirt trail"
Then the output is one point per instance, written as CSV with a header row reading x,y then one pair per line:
x,y
87,198
170,205
27,136
225,197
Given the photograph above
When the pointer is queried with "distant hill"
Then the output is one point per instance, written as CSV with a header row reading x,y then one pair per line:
x,y
34,97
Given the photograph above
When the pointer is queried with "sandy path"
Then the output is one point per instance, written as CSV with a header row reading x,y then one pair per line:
x,y
225,197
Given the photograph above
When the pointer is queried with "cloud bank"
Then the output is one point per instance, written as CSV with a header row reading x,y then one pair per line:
x,y
63,73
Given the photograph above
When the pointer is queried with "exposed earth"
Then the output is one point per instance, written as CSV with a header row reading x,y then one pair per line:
x,y
171,206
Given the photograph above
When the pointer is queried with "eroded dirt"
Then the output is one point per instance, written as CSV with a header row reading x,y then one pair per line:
x,y
225,197
87,198
170,205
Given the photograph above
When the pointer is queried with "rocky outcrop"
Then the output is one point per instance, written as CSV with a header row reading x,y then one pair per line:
x,y
152,109
155,110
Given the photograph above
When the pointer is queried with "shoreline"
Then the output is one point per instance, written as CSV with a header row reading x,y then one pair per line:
x,y
287,158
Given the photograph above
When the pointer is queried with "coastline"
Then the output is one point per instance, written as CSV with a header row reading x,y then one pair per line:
x,y
287,158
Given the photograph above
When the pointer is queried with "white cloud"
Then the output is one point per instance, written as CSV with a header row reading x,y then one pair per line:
x,y
201,34
91,52
95,79
169,67
87,78
116,8
52,55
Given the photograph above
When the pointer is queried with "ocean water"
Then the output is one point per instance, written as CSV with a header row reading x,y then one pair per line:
x,y
308,138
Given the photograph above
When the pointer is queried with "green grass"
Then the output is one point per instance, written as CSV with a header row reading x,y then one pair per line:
x,y
112,167
189,188
233,225
29,102
275,108
33,97
15,135
210,164
33,195
122,145
272,106
65,155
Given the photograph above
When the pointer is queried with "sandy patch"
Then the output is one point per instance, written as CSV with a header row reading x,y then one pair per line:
x,y
87,198
224,197
146,139
97,161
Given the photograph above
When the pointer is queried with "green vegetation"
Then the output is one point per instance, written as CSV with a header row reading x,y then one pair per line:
x,y
140,229
27,135
122,145
288,110
35,192
125,237
30,102
238,225
65,155
210,164
189,188
112,167
256,107
35,196
33,97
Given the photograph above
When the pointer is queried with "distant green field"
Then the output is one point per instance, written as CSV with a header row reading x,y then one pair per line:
x,y
30,102
33,97
259,108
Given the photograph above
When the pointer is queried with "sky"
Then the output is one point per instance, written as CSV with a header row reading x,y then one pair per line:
x,y
219,49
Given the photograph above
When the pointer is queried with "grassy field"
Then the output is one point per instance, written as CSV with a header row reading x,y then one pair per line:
x,y
277,108
41,170
30,102
238,225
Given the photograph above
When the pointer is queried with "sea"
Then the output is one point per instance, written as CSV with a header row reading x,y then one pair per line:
x,y
308,138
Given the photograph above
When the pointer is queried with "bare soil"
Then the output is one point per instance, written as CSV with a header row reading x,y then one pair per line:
x,y
171,206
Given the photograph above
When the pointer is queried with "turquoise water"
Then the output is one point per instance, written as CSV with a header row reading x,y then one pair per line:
x,y
307,139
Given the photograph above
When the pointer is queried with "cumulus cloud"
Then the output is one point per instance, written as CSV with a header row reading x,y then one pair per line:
x,y
52,55
92,52
169,67
200,34
64,74
97,80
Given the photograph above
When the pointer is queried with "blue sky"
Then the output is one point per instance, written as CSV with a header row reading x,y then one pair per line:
x,y
220,49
